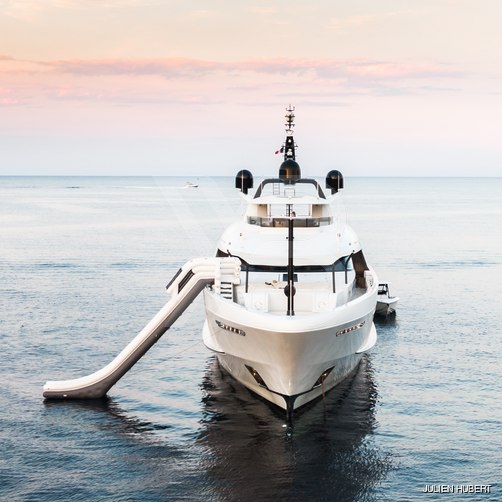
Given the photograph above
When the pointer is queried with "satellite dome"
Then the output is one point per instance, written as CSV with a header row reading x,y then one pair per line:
x,y
334,180
244,180
290,172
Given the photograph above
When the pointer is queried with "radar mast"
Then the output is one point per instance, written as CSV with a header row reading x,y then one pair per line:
x,y
289,147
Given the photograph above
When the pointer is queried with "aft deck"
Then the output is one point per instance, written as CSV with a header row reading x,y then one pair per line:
x,y
310,296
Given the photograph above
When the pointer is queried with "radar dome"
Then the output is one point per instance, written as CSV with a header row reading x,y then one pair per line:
x,y
244,180
290,172
334,180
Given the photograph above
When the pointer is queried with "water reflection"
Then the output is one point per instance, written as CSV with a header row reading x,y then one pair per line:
x,y
242,449
327,455
385,320
114,417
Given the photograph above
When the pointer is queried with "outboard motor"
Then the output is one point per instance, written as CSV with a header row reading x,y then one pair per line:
x,y
244,180
334,180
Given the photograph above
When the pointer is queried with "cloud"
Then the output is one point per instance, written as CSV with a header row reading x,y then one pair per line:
x,y
7,98
167,67
350,21
184,67
17,7
189,80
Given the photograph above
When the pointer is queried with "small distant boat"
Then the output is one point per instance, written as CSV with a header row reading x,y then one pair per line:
x,y
386,304
189,184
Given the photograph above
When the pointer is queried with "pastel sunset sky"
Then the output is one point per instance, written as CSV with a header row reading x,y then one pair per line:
x,y
199,87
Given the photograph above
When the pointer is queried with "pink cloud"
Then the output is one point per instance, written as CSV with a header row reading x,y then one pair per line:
x,y
185,80
7,97
165,67
184,67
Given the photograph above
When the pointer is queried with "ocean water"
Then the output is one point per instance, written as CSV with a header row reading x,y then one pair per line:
x,y
83,267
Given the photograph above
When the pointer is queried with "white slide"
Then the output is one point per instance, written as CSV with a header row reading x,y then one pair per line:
x,y
188,282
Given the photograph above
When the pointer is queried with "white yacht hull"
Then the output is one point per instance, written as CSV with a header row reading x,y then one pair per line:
x,y
386,306
290,354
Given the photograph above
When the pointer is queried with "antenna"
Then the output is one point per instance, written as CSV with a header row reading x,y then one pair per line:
x,y
289,172
289,147
290,117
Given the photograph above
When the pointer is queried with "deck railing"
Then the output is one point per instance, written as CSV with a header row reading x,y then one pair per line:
x,y
282,222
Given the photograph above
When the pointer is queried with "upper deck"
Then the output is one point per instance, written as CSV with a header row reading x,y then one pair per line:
x,y
275,202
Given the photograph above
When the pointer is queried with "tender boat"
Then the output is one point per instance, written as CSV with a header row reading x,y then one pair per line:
x,y
302,316
289,296
189,184
386,304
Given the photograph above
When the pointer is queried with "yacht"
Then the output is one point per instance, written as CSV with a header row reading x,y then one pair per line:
x,y
289,297
386,303
189,184
301,316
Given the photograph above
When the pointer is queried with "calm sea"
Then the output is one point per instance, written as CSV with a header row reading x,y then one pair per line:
x,y
83,267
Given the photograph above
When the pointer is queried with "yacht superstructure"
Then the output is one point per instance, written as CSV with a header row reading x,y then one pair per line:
x,y
302,315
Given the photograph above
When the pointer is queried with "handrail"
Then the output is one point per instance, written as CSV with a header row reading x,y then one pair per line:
x,y
282,221
311,181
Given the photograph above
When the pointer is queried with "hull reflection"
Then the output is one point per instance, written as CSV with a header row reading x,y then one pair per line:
x,y
327,454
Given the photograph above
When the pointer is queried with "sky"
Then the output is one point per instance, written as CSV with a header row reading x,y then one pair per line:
x,y
199,87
